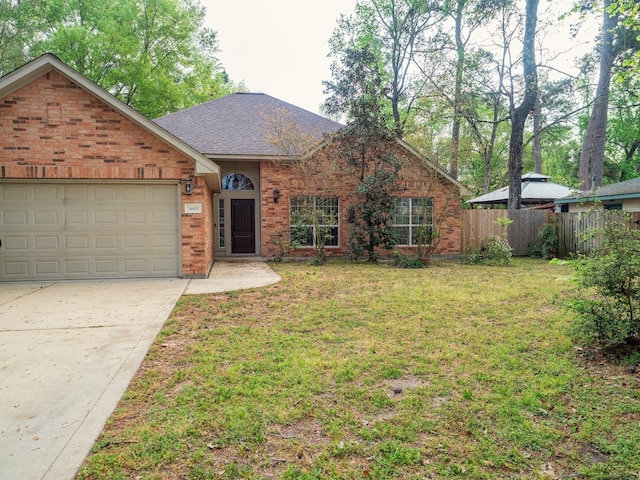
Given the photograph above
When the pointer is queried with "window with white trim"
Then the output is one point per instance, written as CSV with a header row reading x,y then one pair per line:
x,y
313,216
412,220
237,181
221,222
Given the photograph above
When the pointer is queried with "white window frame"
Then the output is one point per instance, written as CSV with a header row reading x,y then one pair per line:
x,y
413,215
297,202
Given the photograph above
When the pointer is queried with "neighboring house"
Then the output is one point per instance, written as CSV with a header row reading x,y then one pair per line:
x,y
536,190
617,196
89,188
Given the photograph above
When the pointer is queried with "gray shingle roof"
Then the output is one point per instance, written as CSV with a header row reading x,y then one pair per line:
x,y
235,124
626,189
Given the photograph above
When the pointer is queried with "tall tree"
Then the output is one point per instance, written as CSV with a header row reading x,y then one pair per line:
x,y
358,90
623,130
20,22
470,14
154,55
394,31
630,10
593,145
519,113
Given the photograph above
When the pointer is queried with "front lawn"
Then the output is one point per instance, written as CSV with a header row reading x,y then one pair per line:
x,y
357,371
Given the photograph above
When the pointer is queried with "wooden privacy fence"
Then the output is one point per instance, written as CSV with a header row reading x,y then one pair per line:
x,y
572,228
478,224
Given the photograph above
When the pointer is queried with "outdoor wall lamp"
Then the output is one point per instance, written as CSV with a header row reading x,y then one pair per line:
x,y
276,195
187,187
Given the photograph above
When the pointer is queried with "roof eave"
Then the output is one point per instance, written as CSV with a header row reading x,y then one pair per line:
x,y
241,157
595,198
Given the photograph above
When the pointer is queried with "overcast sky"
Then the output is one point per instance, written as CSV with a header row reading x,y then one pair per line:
x,y
278,47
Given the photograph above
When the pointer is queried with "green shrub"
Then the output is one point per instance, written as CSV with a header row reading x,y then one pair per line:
x,y
546,245
609,278
403,261
283,244
494,250
534,249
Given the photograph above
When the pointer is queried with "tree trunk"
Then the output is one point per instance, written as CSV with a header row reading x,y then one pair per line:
x,y
492,142
457,95
519,114
592,154
537,144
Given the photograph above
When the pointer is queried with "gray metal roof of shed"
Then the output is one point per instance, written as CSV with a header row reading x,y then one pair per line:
x,y
535,189
235,125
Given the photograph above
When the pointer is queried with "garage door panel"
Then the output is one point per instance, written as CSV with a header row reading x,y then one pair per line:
x,y
106,241
132,194
167,265
76,242
47,267
16,244
14,193
77,267
76,193
109,266
46,193
135,217
76,217
161,218
15,217
161,195
46,217
48,242
135,241
16,270
163,241
135,266
72,234
105,217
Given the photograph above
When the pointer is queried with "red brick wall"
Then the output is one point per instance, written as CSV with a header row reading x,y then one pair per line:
x,y
417,181
197,232
53,129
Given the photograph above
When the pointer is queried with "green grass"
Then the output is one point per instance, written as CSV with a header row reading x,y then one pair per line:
x,y
352,371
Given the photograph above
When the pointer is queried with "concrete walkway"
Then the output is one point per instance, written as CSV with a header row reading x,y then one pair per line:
x,y
68,351
229,275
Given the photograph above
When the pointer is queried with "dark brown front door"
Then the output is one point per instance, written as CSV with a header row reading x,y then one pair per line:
x,y
243,227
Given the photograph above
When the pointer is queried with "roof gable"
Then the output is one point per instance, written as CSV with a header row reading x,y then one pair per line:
x,y
48,62
235,125
411,151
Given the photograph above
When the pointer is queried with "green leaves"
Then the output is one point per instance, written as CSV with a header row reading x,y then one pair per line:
x,y
153,55
609,308
20,23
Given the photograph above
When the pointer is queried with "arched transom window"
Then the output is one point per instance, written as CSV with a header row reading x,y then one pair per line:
x,y
237,181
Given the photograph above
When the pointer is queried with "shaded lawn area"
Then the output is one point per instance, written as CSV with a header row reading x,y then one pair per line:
x,y
353,371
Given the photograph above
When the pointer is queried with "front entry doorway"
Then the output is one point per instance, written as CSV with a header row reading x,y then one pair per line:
x,y
243,227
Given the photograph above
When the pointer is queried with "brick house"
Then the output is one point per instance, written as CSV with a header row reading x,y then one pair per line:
x,y
90,188
260,192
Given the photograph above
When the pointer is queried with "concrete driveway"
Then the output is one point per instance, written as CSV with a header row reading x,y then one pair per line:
x,y
68,351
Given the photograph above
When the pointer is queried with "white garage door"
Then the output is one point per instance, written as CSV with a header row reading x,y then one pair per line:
x,y
88,231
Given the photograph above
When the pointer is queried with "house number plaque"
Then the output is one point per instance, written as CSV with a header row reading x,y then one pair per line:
x,y
192,208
